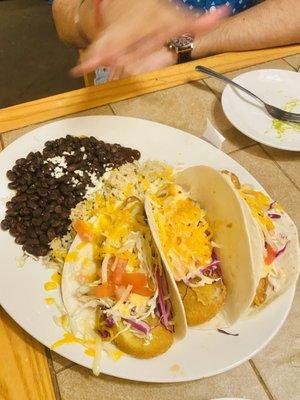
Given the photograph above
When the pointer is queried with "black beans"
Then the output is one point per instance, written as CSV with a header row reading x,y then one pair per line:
x,y
5,224
42,192
46,190
37,221
20,239
11,175
13,185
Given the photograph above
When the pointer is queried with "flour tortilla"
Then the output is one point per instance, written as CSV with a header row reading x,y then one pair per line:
x,y
237,253
82,320
286,267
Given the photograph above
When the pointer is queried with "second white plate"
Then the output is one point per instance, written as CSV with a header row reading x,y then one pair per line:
x,y
274,86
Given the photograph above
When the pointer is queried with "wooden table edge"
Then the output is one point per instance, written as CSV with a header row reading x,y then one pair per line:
x,y
63,104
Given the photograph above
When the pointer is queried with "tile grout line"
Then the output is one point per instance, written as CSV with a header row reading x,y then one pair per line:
x,y
64,368
53,375
1,142
247,146
279,166
290,64
216,93
261,380
111,108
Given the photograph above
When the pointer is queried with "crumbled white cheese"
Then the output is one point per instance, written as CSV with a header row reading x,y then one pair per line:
x,y
78,172
82,148
93,177
57,173
59,161
84,156
74,181
98,184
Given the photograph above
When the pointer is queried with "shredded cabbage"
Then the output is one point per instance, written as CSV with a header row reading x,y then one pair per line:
x,y
186,236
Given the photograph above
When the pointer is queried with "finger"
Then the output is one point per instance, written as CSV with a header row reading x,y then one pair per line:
x,y
160,59
99,53
116,73
210,20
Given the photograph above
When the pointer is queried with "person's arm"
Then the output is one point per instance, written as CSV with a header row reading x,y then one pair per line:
x,y
66,13
129,32
268,24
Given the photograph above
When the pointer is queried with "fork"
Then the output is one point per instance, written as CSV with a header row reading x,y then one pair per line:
x,y
275,112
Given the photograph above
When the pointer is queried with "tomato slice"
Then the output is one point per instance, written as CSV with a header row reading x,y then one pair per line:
x,y
119,279
116,276
84,230
104,290
271,254
136,279
143,291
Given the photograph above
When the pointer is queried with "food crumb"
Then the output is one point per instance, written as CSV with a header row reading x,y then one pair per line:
x,y
175,368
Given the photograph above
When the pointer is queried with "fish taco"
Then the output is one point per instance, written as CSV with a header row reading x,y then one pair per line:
x,y
204,240
114,287
277,262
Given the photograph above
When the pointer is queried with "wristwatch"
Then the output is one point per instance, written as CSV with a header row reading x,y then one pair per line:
x,y
183,46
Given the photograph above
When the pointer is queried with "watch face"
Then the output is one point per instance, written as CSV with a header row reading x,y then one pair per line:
x,y
183,41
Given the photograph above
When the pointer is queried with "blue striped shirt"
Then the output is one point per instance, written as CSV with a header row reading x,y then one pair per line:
x,y
207,5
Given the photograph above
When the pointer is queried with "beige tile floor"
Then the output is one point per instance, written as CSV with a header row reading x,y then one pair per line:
x,y
294,61
273,374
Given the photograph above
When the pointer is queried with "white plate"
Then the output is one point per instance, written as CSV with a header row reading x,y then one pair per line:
x,y
274,86
200,354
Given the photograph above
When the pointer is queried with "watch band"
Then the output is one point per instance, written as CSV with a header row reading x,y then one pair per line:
x,y
184,56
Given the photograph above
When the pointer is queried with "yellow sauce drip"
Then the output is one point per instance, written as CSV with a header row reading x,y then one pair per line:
x,y
56,277
50,285
54,283
71,257
63,321
90,352
49,300
69,338
117,354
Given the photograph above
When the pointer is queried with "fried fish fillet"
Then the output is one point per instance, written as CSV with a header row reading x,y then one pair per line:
x,y
161,341
261,292
201,304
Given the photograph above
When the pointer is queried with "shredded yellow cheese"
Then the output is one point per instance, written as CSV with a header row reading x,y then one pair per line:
x,y
184,231
259,204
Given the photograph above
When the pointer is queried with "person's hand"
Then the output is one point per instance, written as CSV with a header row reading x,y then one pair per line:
x,y
154,61
135,33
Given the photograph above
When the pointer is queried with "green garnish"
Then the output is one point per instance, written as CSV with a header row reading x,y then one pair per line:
x,y
282,127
